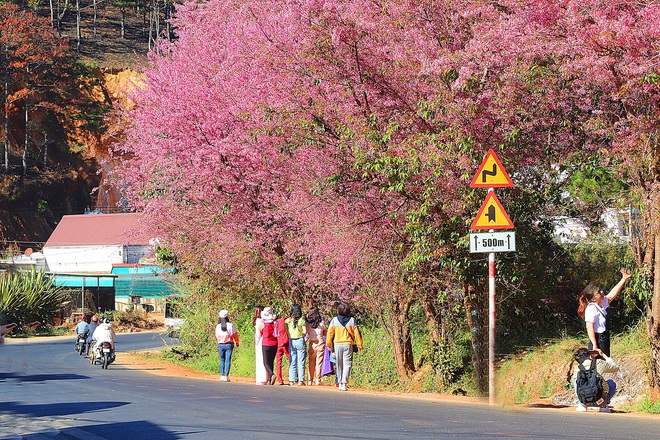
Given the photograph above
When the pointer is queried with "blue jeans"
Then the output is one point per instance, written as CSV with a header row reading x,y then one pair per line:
x,y
298,355
225,358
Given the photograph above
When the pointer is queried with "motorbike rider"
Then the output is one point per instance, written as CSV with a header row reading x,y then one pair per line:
x,y
103,333
92,328
82,329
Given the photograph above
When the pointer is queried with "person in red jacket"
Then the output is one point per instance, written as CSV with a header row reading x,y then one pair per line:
x,y
282,349
268,331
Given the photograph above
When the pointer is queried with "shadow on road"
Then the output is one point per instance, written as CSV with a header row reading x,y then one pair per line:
x,y
57,409
139,429
40,377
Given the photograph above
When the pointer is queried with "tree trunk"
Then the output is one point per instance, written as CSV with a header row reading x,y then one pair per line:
x,y
123,21
401,343
95,16
6,106
52,15
654,324
27,126
476,318
77,26
395,323
431,314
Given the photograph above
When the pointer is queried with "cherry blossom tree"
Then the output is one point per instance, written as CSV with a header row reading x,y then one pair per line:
x,y
324,147
556,82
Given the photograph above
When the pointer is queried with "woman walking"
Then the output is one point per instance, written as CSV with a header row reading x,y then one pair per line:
x,y
343,334
227,336
295,328
593,308
316,344
268,333
260,373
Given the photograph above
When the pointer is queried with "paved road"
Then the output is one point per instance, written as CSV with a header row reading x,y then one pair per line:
x,y
49,391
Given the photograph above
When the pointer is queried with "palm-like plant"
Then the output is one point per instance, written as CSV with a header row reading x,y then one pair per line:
x,y
28,296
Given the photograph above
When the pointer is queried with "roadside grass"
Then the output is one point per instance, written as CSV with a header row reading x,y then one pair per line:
x,y
41,331
373,368
538,373
647,406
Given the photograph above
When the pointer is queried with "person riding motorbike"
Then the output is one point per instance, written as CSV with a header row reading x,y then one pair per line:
x,y
92,328
82,331
103,333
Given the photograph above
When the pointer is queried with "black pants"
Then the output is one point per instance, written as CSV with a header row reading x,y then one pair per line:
x,y
603,340
269,358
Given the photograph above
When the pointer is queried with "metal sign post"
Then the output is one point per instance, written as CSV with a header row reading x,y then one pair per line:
x,y
491,216
491,328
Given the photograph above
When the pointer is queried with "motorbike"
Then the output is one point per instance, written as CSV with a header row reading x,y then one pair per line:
x,y
81,343
103,355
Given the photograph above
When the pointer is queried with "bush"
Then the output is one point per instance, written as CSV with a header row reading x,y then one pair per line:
x,y
28,296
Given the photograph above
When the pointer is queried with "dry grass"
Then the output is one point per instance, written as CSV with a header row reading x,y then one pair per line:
x,y
540,375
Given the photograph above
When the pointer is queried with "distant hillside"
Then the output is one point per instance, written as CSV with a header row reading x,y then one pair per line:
x,y
102,42
31,205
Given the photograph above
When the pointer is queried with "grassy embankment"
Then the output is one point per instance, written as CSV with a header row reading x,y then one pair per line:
x,y
537,374
541,373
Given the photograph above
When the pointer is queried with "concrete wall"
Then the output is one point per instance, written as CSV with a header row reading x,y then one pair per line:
x,y
92,259
83,259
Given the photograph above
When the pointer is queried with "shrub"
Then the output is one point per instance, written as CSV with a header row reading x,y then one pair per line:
x,y
28,296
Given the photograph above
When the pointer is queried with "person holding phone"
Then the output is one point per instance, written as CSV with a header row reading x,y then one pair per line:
x,y
593,304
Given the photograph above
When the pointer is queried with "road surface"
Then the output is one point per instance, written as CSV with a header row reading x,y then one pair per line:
x,y
48,391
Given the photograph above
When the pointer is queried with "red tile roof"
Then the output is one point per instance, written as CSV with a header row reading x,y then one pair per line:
x,y
98,229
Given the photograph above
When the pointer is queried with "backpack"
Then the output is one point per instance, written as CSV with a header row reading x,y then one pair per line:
x,y
589,385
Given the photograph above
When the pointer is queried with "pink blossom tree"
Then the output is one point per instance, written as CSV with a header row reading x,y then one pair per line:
x,y
328,145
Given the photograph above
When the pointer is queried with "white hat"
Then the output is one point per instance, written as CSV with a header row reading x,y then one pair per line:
x,y
267,314
223,313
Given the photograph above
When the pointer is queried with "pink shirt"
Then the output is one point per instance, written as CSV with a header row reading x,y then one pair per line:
x,y
231,335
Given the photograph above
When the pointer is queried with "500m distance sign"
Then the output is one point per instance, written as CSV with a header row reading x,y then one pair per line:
x,y
492,242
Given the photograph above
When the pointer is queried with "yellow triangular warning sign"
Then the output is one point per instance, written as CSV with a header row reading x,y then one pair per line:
x,y
491,174
492,215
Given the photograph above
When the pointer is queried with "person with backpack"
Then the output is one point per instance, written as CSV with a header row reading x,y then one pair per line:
x,y
593,308
590,387
343,339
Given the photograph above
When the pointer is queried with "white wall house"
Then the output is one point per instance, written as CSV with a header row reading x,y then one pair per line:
x,y
92,243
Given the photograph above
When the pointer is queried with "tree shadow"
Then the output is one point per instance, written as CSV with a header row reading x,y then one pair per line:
x,y
57,409
40,377
141,429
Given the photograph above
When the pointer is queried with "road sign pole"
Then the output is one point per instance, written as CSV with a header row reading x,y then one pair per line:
x,y
491,328
491,174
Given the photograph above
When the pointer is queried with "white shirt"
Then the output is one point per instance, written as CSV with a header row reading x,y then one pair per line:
x,y
596,314
104,332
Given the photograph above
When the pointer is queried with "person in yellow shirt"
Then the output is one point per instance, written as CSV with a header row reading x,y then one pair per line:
x,y
296,330
342,339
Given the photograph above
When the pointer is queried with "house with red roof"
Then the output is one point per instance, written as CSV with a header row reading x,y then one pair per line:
x,y
92,243
110,258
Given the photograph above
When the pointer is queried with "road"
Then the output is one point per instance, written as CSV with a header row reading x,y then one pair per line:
x,y
48,391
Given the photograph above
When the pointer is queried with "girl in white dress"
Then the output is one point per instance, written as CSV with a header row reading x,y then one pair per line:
x,y
260,374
